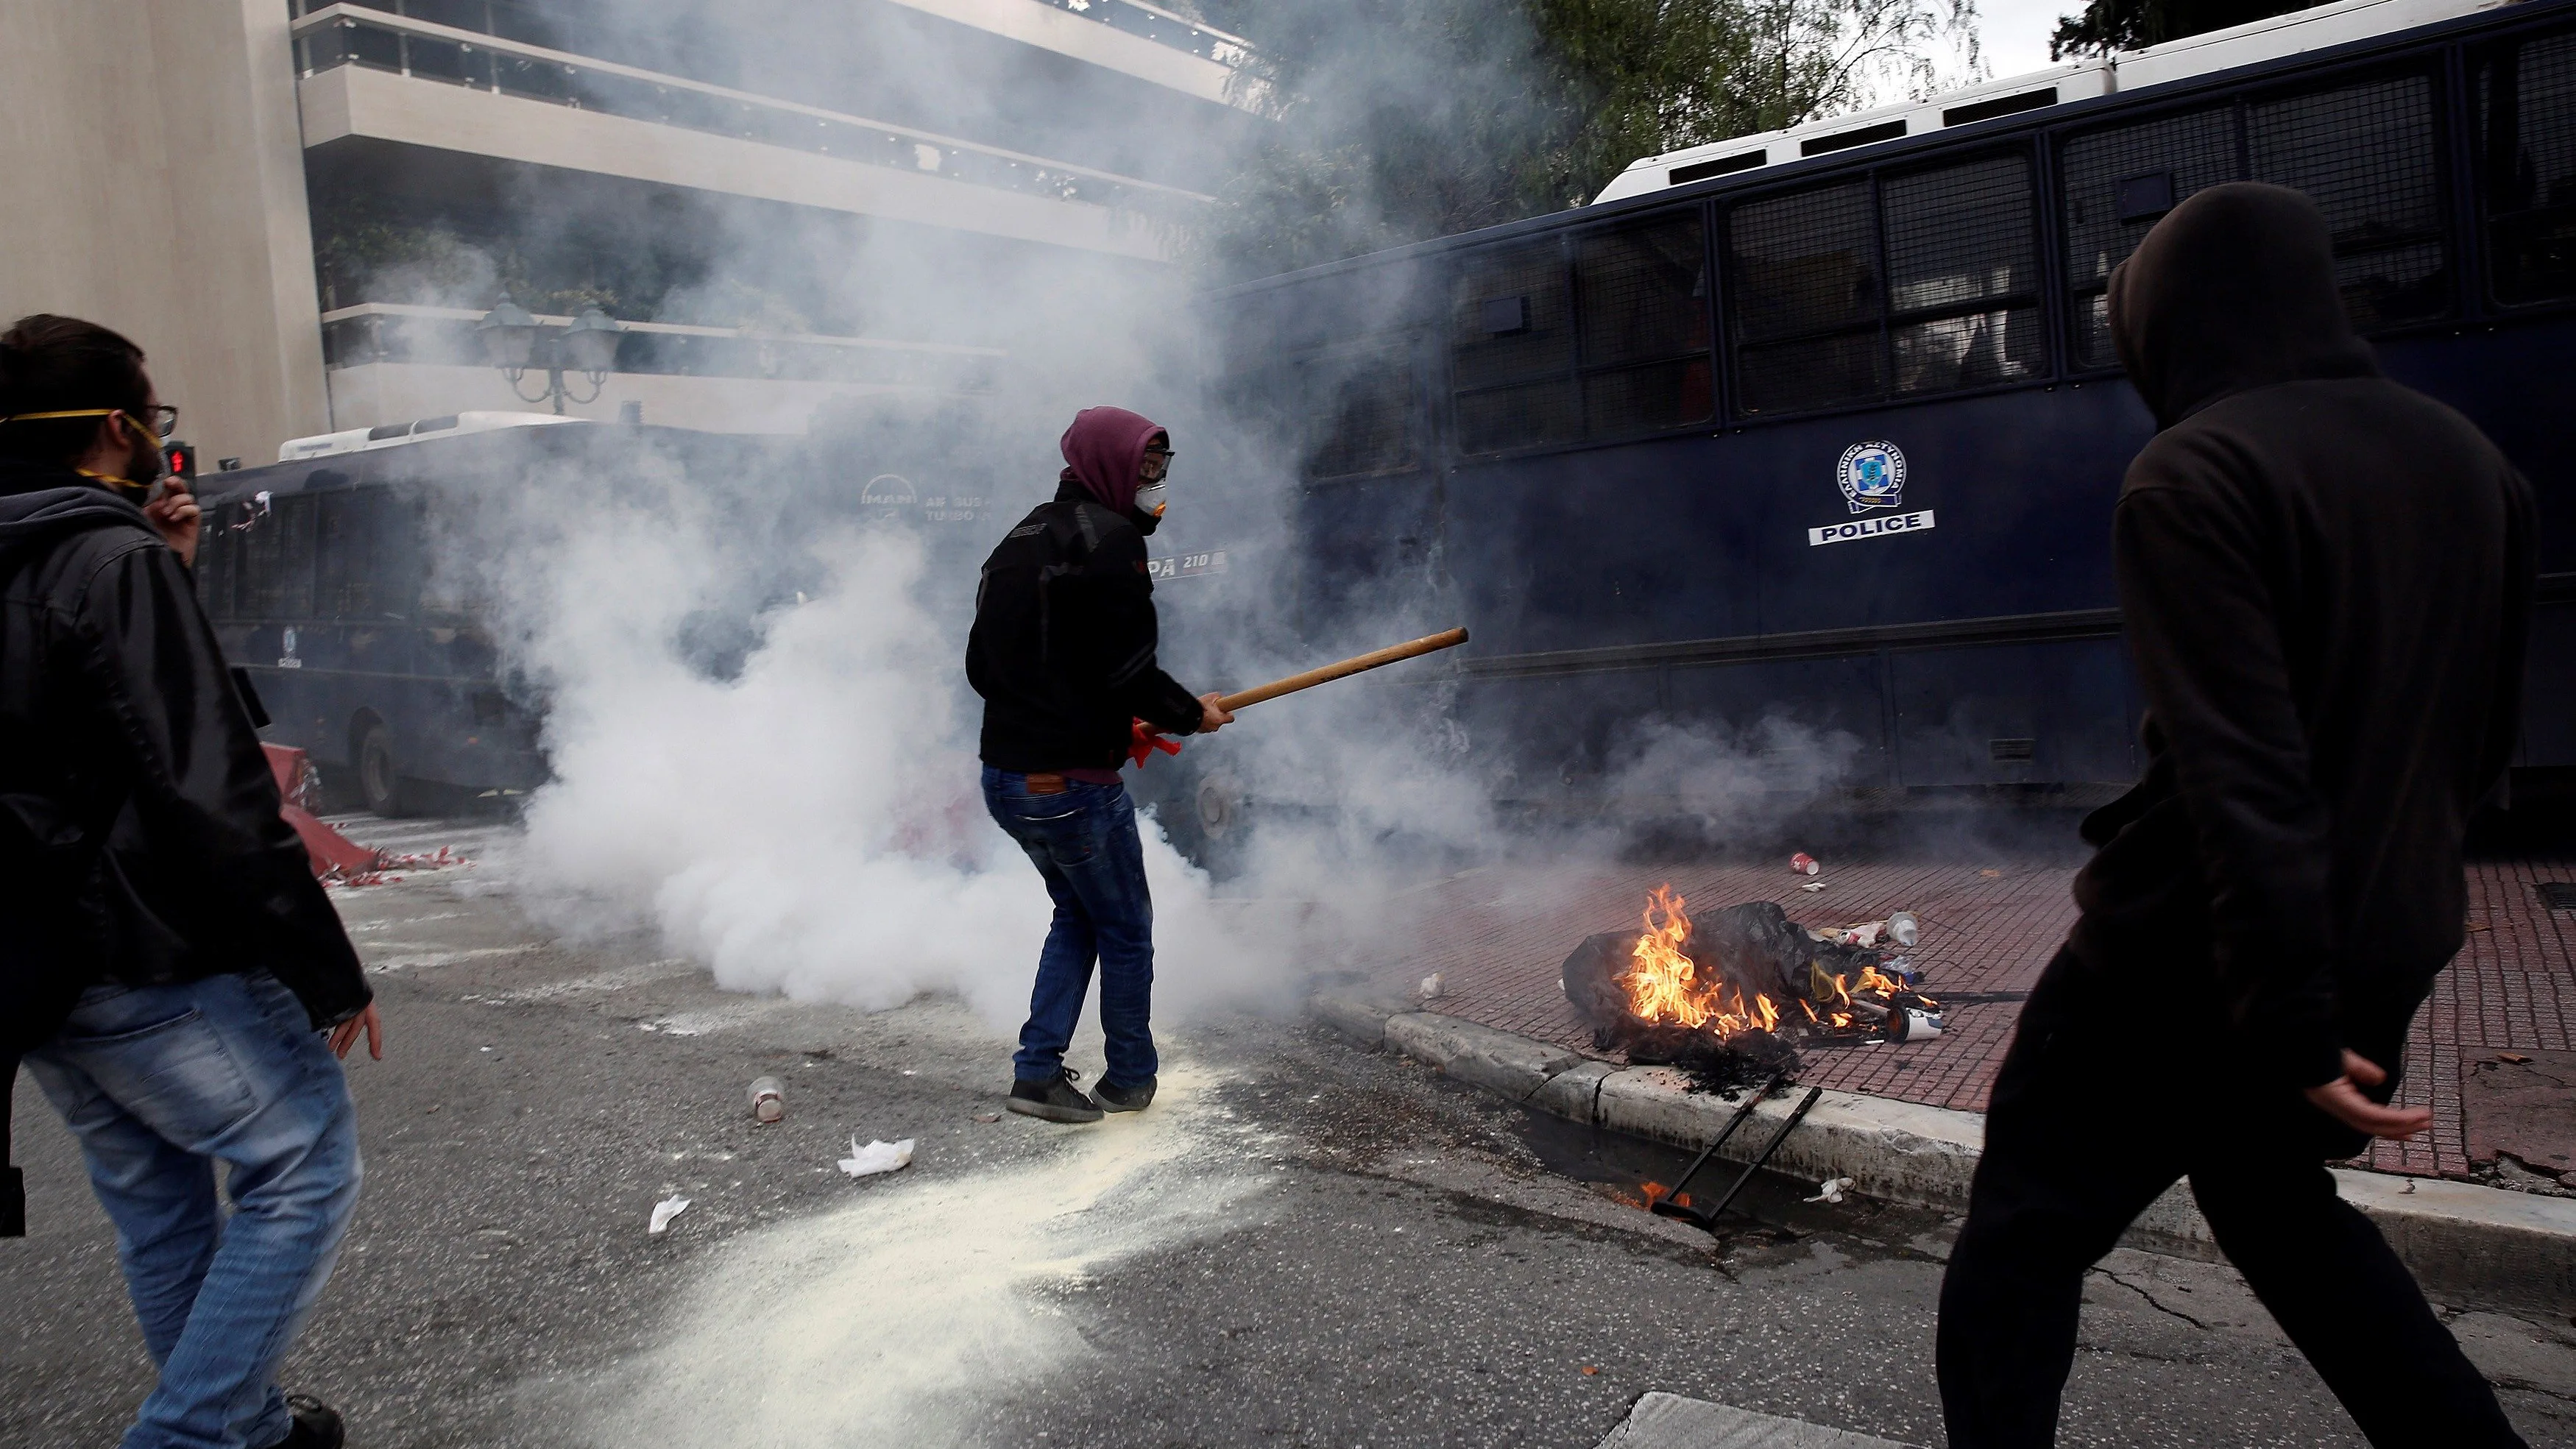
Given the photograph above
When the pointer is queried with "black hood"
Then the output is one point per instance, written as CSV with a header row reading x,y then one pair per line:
x,y
2233,290
40,501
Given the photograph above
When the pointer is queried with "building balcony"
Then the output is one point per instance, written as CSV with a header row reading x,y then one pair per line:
x,y
1127,36
392,363
373,79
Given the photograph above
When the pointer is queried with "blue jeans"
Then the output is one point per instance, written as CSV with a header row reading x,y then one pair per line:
x,y
1084,843
160,1083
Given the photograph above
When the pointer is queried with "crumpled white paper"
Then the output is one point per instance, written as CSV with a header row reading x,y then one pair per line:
x,y
665,1210
877,1157
1833,1190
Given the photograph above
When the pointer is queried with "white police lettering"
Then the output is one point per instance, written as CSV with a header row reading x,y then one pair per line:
x,y
1870,528
1188,565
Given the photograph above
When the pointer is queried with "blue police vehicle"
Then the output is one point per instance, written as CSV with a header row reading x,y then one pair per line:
x,y
349,582
1826,424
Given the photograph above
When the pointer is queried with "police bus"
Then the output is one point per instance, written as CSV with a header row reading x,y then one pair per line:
x,y
1826,423
345,582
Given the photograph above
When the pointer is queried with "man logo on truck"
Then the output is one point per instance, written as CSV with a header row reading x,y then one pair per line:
x,y
1872,475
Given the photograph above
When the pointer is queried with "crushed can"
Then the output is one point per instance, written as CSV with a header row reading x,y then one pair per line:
x,y
768,1099
1803,864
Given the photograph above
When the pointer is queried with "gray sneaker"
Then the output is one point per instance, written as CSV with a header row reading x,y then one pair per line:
x,y
1125,1099
1057,1100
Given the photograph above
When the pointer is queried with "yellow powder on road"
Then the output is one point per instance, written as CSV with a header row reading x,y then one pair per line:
x,y
891,1320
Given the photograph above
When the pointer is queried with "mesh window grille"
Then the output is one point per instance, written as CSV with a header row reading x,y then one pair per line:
x,y
1819,373
2366,153
1516,386
1960,235
217,560
293,576
1963,276
2196,149
1804,263
1643,292
1535,273
1807,301
1625,400
1975,350
263,547
1959,304
2527,105
1366,404
1532,416
1608,340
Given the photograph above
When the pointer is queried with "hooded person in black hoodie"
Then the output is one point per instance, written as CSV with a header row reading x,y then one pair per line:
x,y
167,960
2325,580
1063,652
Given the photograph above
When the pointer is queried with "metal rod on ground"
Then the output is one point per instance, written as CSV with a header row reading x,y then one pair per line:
x,y
1666,1206
1374,659
1799,1114
1707,1218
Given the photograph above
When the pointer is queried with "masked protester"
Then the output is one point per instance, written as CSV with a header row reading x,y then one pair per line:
x,y
2325,580
168,964
1063,653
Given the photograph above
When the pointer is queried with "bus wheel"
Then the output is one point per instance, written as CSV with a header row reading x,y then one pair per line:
x,y
380,775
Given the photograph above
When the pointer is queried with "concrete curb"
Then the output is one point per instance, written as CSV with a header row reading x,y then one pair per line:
x,y
2472,1246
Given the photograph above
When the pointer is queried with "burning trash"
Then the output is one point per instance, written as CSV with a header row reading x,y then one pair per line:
x,y
1730,994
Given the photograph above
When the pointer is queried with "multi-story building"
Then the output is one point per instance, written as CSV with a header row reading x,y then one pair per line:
x,y
304,211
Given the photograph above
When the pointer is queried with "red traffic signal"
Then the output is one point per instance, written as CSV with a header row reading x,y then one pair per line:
x,y
182,458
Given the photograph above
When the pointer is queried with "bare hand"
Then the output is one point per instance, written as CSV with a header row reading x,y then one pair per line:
x,y
2342,1100
345,1035
178,518
1212,715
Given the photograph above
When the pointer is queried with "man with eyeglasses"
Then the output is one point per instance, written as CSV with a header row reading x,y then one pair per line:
x,y
168,964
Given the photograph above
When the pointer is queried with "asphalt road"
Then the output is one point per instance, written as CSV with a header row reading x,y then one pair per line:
x,y
1301,1244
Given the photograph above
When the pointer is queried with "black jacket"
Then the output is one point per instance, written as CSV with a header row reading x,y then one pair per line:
x,y
1063,645
2326,583
140,839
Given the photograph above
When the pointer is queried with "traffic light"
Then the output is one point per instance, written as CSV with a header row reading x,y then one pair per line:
x,y
182,458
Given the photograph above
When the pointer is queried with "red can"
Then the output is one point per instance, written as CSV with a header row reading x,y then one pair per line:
x,y
1803,864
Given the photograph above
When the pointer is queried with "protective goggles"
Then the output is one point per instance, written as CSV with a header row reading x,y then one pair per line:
x,y
163,420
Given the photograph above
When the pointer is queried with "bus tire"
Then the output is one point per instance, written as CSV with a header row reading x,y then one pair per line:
x,y
379,773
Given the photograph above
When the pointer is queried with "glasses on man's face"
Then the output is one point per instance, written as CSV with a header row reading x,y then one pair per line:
x,y
161,418
1158,463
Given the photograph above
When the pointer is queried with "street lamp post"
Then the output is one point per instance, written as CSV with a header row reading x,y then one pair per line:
x,y
517,343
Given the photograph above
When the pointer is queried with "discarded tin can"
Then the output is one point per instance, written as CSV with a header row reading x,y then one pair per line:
x,y
1803,864
1912,1025
1904,928
768,1099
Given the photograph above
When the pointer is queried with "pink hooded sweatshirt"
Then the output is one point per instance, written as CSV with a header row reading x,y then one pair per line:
x,y
1103,451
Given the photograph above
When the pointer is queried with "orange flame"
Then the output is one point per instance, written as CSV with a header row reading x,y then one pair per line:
x,y
1664,984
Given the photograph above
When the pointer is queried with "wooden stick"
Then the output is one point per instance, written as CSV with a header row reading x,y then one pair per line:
x,y
1428,644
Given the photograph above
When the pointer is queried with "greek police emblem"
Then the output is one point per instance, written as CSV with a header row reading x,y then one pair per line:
x,y
1871,475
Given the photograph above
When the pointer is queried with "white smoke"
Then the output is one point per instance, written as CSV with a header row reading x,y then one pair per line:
x,y
812,825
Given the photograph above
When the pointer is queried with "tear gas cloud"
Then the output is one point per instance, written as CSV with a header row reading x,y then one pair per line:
x,y
803,814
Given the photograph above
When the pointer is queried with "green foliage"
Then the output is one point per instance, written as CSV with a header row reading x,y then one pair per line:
x,y
2109,25
1406,119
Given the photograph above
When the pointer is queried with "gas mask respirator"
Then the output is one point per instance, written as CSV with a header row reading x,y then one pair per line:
x,y
1150,498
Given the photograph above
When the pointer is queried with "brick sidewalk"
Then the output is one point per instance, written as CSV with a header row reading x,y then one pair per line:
x,y
1499,936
